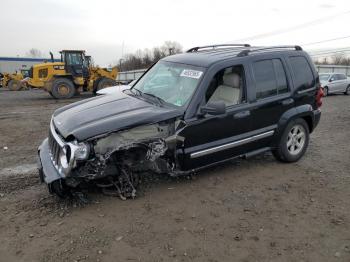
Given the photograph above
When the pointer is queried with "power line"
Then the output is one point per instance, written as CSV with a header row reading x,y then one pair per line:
x,y
329,50
328,40
331,53
293,28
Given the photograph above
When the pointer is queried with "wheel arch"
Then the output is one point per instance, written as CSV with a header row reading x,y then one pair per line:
x,y
304,111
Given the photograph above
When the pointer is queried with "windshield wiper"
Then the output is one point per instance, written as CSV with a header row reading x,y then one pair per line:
x,y
136,92
160,100
144,95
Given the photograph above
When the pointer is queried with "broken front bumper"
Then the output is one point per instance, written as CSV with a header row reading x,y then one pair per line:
x,y
47,171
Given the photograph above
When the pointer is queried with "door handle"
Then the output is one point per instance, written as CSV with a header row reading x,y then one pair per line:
x,y
241,114
287,101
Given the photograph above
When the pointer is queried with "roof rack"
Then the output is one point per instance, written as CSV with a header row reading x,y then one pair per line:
x,y
247,51
197,48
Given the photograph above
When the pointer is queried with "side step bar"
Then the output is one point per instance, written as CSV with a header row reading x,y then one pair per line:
x,y
256,152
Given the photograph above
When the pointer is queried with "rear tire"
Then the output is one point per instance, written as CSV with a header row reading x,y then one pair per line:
x,y
347,91
14,85
62,88
294,142
103,83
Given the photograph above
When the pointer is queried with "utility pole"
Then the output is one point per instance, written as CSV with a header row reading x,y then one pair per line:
x,y
120,63
171,51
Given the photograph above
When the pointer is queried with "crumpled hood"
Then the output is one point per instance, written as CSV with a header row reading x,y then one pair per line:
x,y
108,113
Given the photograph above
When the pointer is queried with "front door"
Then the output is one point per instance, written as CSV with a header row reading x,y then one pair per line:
x,y
213,138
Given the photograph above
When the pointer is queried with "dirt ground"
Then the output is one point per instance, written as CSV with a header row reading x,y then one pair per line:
x,y
246,210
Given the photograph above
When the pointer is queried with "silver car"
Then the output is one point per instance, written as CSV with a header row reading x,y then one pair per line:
x,y
335,83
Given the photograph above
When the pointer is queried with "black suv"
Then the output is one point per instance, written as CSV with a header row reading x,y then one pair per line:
x,y
187,112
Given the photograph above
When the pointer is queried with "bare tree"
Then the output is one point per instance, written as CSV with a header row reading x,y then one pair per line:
x,y
171,47
346,61
34,53
145,58
338,58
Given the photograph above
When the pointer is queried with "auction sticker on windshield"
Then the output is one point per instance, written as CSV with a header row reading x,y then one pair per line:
x,y
191,73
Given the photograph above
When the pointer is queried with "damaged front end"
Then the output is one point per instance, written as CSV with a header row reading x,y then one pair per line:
x,y
112,161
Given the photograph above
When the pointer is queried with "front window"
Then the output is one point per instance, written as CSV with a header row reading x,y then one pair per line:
x,y
25,73
74,59
324,77
170,82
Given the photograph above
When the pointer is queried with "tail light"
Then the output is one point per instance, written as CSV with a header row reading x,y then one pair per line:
x,y
319,95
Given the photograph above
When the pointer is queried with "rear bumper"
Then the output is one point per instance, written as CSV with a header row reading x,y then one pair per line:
x,y
316,117
47,170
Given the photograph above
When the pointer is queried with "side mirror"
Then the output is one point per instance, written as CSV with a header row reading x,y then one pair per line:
x,y
213,108
331,80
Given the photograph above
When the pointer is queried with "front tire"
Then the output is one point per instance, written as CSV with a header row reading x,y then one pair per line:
x,y
62,88
294,141
59,188
103,83
14,85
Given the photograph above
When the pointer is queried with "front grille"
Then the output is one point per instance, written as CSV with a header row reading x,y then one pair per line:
x,y
54,149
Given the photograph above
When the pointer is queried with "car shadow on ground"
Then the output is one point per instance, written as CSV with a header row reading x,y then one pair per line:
x,y
152,181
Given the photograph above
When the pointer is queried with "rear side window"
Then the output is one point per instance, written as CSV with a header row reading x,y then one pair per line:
x,y
341,77
270,78
303,77
43,73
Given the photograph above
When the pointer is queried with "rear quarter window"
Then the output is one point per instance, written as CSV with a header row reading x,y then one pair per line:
x,y
303,76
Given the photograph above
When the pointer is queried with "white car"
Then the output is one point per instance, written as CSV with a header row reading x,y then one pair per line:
x,y
335,83
115,89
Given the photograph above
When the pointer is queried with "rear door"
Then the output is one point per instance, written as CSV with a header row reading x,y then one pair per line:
x,y
334,83
272,94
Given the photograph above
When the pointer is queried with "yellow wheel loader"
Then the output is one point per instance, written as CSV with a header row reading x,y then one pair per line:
x,y
14,81
66,78
100,78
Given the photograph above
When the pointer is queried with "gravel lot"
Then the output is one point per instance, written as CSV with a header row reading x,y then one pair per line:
x,y
245,210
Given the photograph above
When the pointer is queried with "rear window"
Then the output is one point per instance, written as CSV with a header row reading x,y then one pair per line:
x,y
270,78
303,77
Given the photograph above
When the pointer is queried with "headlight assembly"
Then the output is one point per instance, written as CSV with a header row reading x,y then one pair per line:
x,y
64,160
81,151
69,154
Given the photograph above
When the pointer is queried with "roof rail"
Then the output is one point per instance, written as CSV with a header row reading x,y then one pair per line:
x,y
247,51
196,49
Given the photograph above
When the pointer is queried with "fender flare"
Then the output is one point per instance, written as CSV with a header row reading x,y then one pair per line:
x,y
304,111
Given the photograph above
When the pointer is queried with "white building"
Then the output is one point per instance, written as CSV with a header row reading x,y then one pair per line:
x,y
333,69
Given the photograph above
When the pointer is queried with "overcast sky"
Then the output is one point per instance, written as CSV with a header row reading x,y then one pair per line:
x,y
102,26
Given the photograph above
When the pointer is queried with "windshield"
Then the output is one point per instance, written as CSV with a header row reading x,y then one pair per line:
x,y
171,82
74,59
324,77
